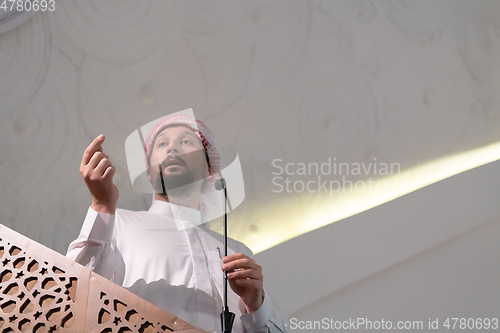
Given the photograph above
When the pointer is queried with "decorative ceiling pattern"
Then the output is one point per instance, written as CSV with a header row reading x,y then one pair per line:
x,y
405,82
12,18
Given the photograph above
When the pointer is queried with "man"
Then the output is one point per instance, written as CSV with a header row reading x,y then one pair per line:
x,y
178,269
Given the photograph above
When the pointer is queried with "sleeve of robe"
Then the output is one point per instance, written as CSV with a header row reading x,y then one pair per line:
x,y
95,247
268,318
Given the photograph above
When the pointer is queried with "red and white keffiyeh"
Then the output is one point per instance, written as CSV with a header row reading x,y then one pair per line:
x,y
202,131
210,198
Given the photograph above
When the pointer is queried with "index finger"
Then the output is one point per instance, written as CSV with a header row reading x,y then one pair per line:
x,y
92,148
235,256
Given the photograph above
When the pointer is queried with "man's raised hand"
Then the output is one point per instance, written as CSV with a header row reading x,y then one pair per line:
x,y
97,172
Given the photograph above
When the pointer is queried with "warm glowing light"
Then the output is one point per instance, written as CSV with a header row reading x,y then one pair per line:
x,y
289,222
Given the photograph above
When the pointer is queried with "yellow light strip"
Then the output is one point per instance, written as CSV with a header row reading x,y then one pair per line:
x,y
275,230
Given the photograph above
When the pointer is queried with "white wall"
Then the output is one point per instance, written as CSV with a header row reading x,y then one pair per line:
x,y
433,253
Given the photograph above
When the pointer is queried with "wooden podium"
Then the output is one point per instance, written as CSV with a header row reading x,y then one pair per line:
x,y
43,291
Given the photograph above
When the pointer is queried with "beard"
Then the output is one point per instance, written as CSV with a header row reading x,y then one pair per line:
x,y
175,184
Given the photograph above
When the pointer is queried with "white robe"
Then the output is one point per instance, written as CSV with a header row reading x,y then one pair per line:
x,y
179,271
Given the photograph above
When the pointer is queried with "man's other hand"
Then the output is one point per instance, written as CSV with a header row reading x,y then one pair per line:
x,y
97,172
245,279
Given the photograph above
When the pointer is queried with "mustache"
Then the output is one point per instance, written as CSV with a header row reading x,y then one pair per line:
x,y
172,160
169,160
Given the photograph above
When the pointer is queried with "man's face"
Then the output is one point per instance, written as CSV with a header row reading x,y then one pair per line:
x,y
178,156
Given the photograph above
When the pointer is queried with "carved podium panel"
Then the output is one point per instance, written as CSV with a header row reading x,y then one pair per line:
x,y
43,291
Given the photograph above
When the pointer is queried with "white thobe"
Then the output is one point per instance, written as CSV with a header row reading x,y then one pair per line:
x,y
179,271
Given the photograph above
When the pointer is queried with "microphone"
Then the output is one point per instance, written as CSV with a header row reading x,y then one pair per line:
x,y
220,184
226,317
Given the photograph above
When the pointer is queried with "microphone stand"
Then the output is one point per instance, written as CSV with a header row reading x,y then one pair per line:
x,y
226,317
